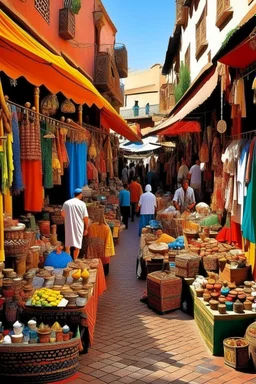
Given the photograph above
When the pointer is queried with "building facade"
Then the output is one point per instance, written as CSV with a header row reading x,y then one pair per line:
x,y
200,29
86,40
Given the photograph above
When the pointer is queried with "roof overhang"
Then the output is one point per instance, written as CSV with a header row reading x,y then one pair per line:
x,y
171,52
239,51
199,91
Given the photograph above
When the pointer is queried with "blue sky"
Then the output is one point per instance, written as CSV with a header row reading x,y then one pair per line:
x,y
144,26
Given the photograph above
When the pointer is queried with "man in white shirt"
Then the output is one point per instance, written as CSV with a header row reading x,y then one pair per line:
x,y
195,178
184,198
182,172
147,206
76,220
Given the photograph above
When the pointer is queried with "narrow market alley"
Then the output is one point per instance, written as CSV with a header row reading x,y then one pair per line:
x,y
133,344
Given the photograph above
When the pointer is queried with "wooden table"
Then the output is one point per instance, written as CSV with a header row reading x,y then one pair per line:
x,y
215,327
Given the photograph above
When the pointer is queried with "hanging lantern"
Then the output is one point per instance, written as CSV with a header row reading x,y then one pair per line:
x,y
49,105
68,107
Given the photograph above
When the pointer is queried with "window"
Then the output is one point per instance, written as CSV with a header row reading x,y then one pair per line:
x,y
201,42
187,58
224,12
43,7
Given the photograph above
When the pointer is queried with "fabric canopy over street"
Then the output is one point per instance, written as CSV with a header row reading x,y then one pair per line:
x,y
239,51
197,94
182,127
148,144
22,55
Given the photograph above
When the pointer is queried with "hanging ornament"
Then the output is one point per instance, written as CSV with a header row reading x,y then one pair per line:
x,y
222,125
68,107
49,105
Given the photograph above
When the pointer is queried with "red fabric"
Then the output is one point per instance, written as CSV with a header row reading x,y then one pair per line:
x,y
32,178
182,127
242,56
231,235
92,305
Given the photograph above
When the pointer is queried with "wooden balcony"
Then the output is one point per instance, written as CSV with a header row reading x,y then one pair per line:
x,y
121,60
167,97
224,12
180,12
67,24
106,77
201,40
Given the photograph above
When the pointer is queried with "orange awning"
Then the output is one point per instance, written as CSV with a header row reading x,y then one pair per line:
x,y
182,127
22,55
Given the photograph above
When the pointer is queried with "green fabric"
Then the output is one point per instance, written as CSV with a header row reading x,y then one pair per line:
x,y
209,221
249,218
3,169
46,145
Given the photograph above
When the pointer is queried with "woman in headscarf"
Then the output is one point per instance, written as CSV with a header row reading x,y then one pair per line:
x,y
147,206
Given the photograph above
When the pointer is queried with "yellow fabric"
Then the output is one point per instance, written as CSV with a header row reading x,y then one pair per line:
x,y
8,203
251,255
22,55
2,256
103,232
164,238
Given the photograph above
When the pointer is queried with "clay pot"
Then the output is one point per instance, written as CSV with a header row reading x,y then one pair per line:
x,y
222,308
44,337
207,297
222,300
209,287
211,281
199,292
233,292
231,286
247,290
215,295
230,299
241,297
238,307
250,298
214,304
217,286
249,284
248,305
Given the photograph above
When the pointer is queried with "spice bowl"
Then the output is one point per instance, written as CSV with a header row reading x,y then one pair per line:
x,y
17,338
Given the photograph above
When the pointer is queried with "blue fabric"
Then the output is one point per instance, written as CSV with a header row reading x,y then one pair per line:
x,y
17,184
144,220
58,260
249,218
77,170
124,198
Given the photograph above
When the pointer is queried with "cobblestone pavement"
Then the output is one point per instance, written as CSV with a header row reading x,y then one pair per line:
x,y
133,344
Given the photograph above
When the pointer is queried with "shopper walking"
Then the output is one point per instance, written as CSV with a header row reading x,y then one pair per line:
x,y
195,177
147,206
136,192
124,201
76,220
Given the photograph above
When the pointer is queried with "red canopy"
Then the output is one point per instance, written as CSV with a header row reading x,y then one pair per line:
x,y
182,127
243,55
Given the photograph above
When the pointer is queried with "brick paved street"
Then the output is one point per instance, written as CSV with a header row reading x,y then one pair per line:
x,y
133,344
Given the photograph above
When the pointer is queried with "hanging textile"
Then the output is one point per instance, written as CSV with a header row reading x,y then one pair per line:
x,y
77,174
31,165
109,158
2,255
3,161
46,145
17,185
56,166
249,217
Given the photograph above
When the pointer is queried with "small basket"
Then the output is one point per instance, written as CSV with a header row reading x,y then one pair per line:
x,y
16,247
58,220
236,356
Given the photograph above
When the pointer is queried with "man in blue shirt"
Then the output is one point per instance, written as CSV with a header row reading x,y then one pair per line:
x,y
124,200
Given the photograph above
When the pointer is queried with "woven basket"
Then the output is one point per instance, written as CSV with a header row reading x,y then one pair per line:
x,y
16,247
41,363
236,356
14,232
211,263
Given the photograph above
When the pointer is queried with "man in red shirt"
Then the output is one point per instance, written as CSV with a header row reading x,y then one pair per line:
x,y
135,191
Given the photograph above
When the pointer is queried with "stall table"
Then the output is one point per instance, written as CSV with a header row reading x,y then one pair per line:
x,y
215,327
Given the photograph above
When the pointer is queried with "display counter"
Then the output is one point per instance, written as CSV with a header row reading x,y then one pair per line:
x,y
215,327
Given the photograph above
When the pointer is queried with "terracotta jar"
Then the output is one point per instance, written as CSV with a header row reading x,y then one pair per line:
x,y
239,290
209,287
233,292
214,304
238,306
231,286
217,286
242,297
215,295
248,305
222,308
250,298
199,292
207,297
222,300
228,298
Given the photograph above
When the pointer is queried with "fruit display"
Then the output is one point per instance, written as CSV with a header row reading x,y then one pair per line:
x,y
45,297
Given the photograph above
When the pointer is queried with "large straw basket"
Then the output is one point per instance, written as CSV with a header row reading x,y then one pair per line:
x,y
251,338
39,363
15,232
